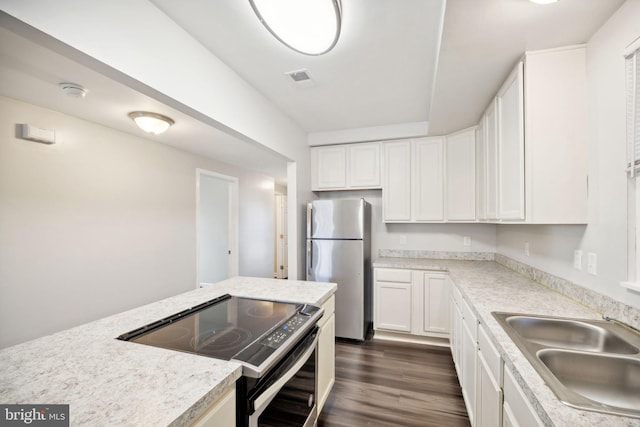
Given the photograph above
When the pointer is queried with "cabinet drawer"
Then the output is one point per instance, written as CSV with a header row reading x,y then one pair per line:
x,y
388,275
470,320
329,308
490,354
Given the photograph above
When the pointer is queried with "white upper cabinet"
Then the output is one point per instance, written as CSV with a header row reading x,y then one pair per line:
x,y
555,87
329,168
428,179
490,162
413,180
535,142
511,146
396,186
461,175
364,165
345,167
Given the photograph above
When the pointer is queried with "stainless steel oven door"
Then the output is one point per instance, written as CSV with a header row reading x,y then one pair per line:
x,y
287,396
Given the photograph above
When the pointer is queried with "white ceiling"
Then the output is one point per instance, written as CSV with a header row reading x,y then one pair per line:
x,y
30,72
380,72
395,63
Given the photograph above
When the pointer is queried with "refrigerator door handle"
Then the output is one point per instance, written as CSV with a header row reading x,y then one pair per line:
x,y
309,219
309,259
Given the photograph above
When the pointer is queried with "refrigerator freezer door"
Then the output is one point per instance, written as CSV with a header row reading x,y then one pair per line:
x,y
340,261
335,219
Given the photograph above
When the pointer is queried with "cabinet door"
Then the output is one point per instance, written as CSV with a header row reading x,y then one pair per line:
x,y
481,175
461,176
490,143
488,396
517,411
436,294
469,349
364,166
393,306
221,413
428,155
329,168
396,188
326,360
511,146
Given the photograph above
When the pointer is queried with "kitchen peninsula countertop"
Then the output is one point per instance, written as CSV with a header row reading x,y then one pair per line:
x,y
110,382
489,286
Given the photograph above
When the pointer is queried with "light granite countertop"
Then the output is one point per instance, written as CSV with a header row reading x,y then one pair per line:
x,y
488,286
110,382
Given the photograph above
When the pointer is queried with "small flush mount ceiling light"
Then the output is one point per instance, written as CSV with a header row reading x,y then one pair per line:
x,y
73,90
151,122
311,27
543,1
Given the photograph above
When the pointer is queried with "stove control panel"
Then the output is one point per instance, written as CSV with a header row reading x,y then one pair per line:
x,y
277,337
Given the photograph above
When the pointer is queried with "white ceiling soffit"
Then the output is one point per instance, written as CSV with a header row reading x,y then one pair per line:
x,y
379,73
483,39
31,73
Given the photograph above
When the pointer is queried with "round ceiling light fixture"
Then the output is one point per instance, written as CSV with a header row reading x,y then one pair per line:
x,y
311,27
543,1
151,122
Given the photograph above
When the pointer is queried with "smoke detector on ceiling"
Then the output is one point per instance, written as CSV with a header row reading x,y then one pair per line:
x,y
301,78
73,90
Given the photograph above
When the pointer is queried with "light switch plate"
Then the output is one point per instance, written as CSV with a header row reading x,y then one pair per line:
x,y
592,263
577,259
466,240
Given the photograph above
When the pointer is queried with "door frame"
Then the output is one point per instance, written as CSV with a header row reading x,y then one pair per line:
x,y
233,220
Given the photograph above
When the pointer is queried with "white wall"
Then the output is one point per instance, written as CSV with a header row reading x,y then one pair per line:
x,y
424,237
136,39
606,235
103,221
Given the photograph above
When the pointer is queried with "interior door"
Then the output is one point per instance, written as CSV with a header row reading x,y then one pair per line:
x,y
281,264
216,224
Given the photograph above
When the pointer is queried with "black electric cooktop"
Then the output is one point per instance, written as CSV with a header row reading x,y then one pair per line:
x,y
246,330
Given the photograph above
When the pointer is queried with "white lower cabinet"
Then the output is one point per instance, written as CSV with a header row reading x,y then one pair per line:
x,y
488,383
412,301
491,394
392,300
221,413
517,411
326,352
431,308
469,349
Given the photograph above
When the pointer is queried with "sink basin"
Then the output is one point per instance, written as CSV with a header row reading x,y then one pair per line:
x,y
612,381
572,334
589,364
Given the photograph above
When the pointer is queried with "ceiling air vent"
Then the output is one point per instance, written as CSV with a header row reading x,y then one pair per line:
x,y
300,78
299,75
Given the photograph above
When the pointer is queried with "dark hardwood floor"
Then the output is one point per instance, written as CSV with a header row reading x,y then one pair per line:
x,y
384,383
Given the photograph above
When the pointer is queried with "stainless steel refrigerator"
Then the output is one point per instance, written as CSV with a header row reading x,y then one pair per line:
x,y
339,251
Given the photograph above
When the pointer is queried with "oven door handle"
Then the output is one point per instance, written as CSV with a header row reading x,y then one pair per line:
x,y
262,401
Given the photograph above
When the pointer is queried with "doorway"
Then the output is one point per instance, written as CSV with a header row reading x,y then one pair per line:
x,y
281,247
216,227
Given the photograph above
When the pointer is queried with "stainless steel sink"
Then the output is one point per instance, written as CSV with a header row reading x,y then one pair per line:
x,y
573,334
589,364
610,380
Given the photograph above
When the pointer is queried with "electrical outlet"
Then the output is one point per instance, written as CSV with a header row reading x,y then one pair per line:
x,y
577,259
592,263
527,250
466,240
403,239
